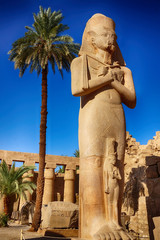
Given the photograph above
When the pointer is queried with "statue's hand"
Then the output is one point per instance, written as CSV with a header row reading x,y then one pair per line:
x,y
118,75
109,77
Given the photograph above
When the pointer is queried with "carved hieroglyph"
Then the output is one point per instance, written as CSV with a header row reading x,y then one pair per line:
x,y
101,79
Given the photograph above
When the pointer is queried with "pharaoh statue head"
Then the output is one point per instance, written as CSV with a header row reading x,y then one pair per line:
x,y
96,26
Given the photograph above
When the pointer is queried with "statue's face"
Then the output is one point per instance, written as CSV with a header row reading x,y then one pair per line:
x,y
104,39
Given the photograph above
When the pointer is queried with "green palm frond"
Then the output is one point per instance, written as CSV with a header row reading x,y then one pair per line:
x,y
43,43
12,181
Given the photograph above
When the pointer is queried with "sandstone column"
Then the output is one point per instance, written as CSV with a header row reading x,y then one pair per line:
x,y
30,179
28,194
48,195
69,180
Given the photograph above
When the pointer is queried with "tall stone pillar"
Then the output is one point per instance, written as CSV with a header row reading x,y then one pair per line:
x,y
69,181
30,179
48,195
28,194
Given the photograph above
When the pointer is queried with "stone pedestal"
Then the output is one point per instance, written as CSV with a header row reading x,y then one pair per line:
x,y
69,180
48,195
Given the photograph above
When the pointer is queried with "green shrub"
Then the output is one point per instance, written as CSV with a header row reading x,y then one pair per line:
x,y
4,220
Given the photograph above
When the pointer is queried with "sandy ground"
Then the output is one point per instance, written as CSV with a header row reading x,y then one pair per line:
x,y
13,232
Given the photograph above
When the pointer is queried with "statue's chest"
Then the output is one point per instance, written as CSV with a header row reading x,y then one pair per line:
x,y
96,68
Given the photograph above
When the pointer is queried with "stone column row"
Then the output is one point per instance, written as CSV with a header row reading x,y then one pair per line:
x,y
69,182
49,175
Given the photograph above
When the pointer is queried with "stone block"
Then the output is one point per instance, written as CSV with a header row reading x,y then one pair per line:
x,y
158,165
153,187
152,160
146,152
156,230
60,215
152,171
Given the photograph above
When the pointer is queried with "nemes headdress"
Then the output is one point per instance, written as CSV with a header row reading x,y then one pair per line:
x,y
92,24
100,19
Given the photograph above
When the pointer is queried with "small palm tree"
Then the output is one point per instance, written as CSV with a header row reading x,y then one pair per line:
x,y
43,44
76,153
60,169
12,182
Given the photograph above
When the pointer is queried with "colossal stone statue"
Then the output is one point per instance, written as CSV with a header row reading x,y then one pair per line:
x,y
101,79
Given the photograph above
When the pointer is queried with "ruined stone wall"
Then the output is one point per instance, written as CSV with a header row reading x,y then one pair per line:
x,y
142,185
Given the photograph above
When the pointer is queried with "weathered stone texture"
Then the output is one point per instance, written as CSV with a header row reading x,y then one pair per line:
x,y
152,171
60,215
142,185
156,231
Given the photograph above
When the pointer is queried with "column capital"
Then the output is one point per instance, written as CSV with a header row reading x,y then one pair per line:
x,y
69,174
71,166
49,173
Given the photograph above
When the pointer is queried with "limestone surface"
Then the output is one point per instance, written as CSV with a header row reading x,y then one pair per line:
x,y
60,215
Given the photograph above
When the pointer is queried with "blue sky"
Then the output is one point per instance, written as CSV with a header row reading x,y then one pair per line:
x,y
138,31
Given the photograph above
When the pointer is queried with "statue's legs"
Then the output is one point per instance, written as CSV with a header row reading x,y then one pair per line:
x,y
112,206
95,127
92,211
95,210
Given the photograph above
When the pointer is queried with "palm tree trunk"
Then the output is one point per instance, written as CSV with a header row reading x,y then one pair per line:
x,y
42,153
6,201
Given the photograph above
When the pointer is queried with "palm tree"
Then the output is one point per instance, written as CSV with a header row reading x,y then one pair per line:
x,y
76,153
43,44
12,182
